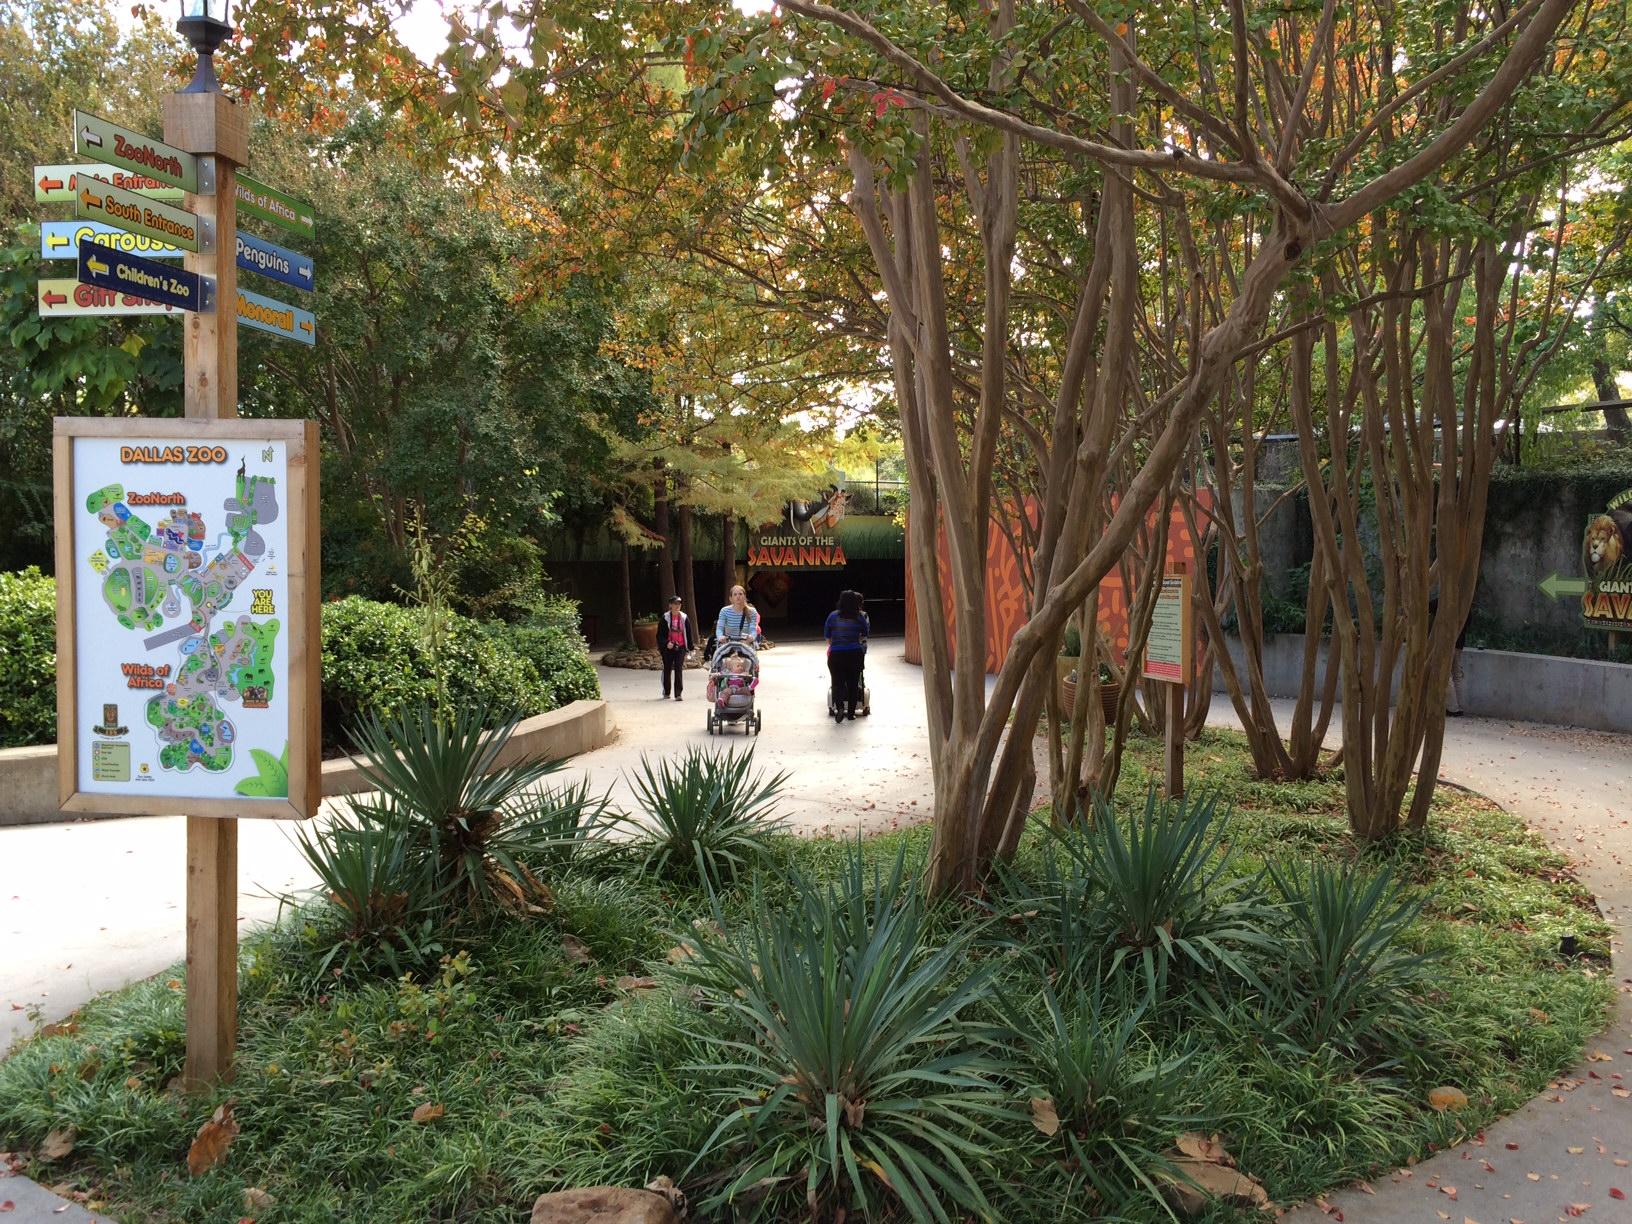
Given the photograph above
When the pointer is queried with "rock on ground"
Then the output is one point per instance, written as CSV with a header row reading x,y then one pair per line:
x,y
603,1205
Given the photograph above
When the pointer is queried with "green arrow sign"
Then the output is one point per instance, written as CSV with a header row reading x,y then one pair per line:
x,y
256,199
105,141
95,200
1555,587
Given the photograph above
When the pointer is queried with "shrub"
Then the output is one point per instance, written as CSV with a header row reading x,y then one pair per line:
x,y
28,659
558,657
708,816
375,662
845,1075
1165,889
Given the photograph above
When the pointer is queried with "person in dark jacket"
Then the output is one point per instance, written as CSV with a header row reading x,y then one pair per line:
x,y
846,633
674,641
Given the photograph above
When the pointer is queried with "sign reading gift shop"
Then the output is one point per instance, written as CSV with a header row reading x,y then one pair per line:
x,y
780,549
187,617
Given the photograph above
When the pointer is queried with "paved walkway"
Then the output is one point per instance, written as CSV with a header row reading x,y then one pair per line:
x,y
89,906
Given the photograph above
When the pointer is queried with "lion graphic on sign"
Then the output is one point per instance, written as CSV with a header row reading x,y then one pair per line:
x,y
1604,546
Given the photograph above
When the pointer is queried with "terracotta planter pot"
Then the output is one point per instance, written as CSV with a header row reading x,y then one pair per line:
x,y
1068,698
646,635
1109,692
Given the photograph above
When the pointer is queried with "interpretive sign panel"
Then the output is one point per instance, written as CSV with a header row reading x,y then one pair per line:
x,y
256,199
97,137
66,296
99,201
107,268
1167,651
61,239
187,617
56,184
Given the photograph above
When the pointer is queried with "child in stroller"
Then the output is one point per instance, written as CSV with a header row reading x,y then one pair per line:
x,y
733,675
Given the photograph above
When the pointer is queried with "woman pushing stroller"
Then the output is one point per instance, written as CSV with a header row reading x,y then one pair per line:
x,y
846,631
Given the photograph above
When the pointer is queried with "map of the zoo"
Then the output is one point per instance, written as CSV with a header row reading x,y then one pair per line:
x,y
181,608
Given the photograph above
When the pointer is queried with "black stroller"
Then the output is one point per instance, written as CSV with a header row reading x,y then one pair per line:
x,y
866,698
734,689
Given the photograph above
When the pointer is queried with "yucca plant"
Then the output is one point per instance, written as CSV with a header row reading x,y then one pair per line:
x,y
1100,1094
707,816
847,1078
1342,972
478,823
1165,889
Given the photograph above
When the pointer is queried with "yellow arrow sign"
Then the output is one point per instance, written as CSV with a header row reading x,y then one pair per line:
x,y
97,266
89,200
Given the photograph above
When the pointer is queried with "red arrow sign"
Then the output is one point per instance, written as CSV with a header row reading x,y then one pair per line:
x,y
54,299
50,184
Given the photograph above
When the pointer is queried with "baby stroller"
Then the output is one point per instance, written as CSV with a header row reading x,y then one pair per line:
x,y
733,702
866,698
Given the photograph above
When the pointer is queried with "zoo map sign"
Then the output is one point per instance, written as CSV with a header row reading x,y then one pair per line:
x,y
192,612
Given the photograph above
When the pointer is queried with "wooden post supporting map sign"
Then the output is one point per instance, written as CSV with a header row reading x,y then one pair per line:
x,y
1168,658
187,587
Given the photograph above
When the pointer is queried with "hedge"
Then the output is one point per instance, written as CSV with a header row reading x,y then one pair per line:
x,y
374,660
28,659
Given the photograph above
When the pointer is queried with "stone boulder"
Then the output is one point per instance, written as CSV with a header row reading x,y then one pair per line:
x,y
603,1205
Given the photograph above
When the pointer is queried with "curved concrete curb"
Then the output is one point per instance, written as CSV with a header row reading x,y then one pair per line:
x,y
28,776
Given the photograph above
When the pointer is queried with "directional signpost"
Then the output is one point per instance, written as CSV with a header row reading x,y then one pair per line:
x,y
99,201
55,184
97,137
268,204
107,268
270,315
1555,587
271,260
61,239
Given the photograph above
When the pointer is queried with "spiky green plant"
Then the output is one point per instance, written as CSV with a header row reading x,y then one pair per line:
x,y
706,817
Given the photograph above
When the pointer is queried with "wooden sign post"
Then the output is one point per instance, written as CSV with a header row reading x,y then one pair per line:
x,y
1168,658
187,561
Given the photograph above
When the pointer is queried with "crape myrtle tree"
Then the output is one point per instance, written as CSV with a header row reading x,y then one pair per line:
x,y
947,112
963,137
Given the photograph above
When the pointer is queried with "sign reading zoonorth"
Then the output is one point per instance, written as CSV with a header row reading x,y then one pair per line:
x,y
55,184
256,199
106,268
61,239
96,200
64,296
107,141
271,260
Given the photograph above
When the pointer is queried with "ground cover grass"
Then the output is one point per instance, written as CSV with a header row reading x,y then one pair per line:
x,y
590,1044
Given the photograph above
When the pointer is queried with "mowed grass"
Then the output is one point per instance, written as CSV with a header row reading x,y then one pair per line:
x,y
562,1050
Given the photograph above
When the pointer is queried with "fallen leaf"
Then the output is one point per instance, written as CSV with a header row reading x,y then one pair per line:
x,y
1449,1192
212,1141
132,1083
8,1205
256,1199
575,950
626,982
1533,1176
1618,1195
428,1112
59,1210
1044,1117
1441,1099
1539,1016
57,1144
1512,1147
1195,1181
1578,1209
1575,1151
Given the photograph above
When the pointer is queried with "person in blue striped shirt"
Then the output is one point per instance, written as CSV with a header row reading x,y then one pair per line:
x,y
846,633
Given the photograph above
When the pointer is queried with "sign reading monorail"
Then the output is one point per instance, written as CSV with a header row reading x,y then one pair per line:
x,y
779,549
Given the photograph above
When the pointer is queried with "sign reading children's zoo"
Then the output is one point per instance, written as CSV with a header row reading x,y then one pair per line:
x,y
187,617
1606,554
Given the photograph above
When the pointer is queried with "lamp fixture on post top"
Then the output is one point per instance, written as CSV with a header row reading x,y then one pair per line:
x,y
205,24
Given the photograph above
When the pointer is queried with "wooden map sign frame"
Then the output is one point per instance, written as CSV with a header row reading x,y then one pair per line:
x,y
302,614
1169,648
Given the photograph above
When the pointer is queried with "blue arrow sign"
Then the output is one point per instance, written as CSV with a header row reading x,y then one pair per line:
x,y
270,259
61,239
106,268
270,315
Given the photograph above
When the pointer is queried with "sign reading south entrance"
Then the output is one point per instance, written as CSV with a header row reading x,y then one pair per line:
x,y
99,201
106,268
97,137
781,550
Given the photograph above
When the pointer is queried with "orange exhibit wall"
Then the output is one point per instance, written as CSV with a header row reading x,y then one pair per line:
x,y
1006,603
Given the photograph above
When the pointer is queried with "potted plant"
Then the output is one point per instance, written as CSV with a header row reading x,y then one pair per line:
x,y
1109,692
1070,654
646,632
